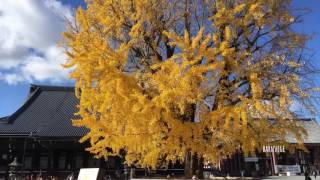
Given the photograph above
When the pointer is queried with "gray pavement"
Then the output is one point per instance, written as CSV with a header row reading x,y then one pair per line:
x,y
289,177
265,178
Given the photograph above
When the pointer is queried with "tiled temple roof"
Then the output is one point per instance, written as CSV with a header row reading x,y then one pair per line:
x,y
46,113
313,130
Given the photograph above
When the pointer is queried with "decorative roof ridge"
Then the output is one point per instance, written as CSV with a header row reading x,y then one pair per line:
x,y
4,120
50,88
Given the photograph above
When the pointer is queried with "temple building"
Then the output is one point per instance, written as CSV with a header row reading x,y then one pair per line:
x,y
276,159
40,134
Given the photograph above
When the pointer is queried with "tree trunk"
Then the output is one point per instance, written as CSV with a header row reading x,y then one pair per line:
x,y
188,170
200,168
193,166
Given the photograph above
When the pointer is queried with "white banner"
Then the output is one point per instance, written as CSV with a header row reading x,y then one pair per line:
x,y
293,169
88,174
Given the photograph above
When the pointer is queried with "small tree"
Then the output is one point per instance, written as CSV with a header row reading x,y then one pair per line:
x,y
165,80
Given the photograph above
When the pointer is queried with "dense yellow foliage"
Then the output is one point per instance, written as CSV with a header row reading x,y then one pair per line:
x,y
161,78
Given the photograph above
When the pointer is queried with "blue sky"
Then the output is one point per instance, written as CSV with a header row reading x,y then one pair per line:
x,y
34,40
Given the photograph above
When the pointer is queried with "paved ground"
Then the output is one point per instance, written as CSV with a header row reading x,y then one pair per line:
x,y
266,178
290,177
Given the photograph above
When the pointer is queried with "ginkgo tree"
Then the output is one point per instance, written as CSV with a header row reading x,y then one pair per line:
x,y
165,80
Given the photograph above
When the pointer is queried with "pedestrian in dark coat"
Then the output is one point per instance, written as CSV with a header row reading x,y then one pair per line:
x,y
306,176
315,174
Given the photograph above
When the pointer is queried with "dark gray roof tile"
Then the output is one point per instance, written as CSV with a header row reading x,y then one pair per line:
x,y
46,113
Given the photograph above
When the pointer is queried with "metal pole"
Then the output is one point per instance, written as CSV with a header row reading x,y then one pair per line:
x,y
274,164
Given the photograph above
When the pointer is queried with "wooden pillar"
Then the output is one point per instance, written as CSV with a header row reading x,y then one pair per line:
x,y
73,160
85,160
316,156
35,156
50,158
296,156
68,160
230,165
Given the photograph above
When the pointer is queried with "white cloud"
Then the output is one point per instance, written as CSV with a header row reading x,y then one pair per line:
x,y
47,67
29,31
11,78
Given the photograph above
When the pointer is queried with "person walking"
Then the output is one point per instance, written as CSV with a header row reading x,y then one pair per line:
x,y
71,176
306,176
315,173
